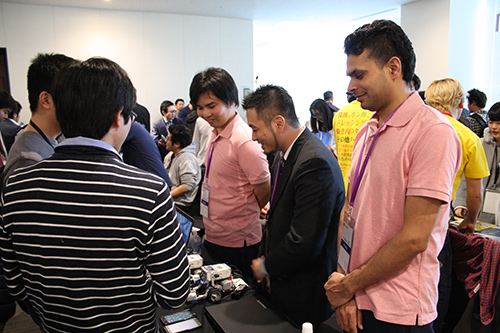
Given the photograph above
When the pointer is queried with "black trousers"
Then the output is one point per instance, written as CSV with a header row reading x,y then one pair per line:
x,y
241,257
373,325
445,283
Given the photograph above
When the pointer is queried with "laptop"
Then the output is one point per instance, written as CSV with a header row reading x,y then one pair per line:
x,y
491,200
185,223
250,314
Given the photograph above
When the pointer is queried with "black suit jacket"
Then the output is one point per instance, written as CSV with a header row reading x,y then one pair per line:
x,y
300,238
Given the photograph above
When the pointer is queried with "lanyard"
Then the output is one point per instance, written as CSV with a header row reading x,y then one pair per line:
x,y
210,153
41,133
358,175
213,143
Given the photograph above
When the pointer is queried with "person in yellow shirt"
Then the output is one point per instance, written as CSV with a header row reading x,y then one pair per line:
x,y
346,124
447,96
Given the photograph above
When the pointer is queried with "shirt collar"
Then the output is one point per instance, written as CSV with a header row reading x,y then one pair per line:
x,y
405,112
446,114
285,156
228,130
83,141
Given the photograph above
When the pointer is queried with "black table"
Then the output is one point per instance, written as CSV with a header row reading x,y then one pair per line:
x,y
329,326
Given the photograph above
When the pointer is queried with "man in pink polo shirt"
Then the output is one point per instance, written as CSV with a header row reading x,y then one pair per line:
x,y
395,220
237,180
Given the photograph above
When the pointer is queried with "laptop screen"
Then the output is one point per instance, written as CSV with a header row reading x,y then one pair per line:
x,y
185,223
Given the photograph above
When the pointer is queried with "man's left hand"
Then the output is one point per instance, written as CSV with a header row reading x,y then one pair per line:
x,y
349,317
336,292
467,225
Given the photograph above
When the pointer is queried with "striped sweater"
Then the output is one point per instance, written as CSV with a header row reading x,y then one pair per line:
x,y
91,243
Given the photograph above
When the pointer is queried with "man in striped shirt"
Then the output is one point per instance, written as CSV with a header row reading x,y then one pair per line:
x,y
89,243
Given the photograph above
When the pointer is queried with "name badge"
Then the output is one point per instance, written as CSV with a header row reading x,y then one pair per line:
x,y
346,241
205,194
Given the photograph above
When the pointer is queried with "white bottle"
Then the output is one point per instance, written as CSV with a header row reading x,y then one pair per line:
x,y
307,328
195,241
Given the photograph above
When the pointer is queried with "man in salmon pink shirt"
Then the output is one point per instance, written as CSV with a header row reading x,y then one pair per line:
x,y
237,180
400,183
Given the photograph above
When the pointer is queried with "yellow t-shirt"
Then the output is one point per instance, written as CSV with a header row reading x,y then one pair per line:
x,y
474,163
346,124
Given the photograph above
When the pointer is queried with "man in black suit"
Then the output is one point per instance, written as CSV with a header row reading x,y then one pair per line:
x,y
299,245
160,127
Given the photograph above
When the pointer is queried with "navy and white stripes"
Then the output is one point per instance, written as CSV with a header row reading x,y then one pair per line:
x,y
91,243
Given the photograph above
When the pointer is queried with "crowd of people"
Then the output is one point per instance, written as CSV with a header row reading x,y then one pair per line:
x,y
348,213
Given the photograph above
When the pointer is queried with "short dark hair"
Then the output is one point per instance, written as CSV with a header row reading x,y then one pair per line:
x,y
179,100
164,106
269,101
327,95
218,82
6,101
350,97
422,95
327,124
87,95
383,39
180,134
15,111
41,74
494,112
477,96
416,82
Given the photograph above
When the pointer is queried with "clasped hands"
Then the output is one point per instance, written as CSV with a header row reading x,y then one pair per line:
x,y
343,302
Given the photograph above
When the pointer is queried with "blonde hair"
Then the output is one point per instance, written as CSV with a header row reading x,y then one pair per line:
x,y
444,95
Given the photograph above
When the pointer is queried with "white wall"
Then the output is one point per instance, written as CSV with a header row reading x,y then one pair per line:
x,y
161,52
426,23
2,31
456,38
472,58
307,58
495,82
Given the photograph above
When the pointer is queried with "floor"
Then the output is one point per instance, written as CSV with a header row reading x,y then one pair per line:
x,y
21,323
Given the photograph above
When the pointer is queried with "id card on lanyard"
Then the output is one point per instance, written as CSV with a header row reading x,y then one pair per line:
x,y
205,187
349,223
347,239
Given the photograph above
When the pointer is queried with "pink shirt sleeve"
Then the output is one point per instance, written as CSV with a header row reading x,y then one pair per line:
x,y
253,162
436,160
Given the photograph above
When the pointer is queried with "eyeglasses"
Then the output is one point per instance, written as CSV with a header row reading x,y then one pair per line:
x,y
133,115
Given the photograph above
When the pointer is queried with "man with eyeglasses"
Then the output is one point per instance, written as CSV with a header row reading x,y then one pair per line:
x,y
160,127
